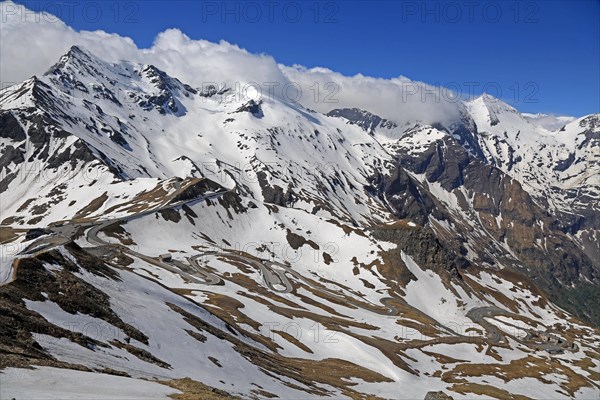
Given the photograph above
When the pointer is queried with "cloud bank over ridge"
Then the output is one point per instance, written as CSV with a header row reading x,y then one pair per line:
x,y
199,62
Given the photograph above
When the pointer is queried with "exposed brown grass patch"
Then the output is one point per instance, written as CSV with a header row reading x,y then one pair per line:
x,y
93,206
194,390
312,373
293,341
8,234
485,390
529,366
228,309
588,365
231,307
512,305
442,358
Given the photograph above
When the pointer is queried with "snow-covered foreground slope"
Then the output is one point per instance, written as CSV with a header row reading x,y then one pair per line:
x,y
325,337
46,383
260,248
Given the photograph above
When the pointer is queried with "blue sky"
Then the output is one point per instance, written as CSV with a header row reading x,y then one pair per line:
x,y
540,56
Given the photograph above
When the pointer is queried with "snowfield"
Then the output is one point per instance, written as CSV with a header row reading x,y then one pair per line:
x,y
264,249
46,383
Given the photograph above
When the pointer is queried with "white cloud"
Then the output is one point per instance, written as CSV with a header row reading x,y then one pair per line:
x,y
398,99
201,61
32,42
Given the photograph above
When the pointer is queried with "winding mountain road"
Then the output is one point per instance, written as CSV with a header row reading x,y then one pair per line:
x,y
274,273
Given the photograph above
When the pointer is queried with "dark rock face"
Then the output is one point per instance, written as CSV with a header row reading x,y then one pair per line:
x,y
166,100
506,213
161,102
443,162
366,120
42,129
564,164
274,194
466,134
296,241
35,233
4,183
437,396
40,134
170,215
252,107
10,127
409,199
591,123
197,189
425,248
210,90
11,155
118,138
72,155
64,287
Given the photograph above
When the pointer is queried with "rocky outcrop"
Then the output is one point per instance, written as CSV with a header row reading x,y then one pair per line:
x,y
34,282
424,248
437,396
366,120
489,201
10,127
252,107
273,194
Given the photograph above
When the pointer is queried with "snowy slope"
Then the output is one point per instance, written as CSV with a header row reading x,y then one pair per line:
x,y
559,167
53,383
338,255
153,126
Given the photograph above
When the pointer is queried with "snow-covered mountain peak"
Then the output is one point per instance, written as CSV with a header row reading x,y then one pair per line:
x,y
491,108
162,81
77,56
79,62
494,103
557,167
141,122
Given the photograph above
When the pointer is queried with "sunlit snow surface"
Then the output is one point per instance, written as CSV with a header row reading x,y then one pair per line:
x,y
46,383
328,162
